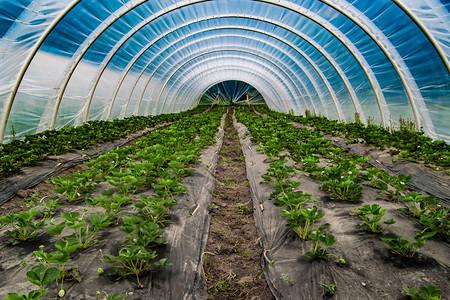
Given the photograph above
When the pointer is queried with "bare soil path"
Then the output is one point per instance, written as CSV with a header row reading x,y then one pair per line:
x,y
232,257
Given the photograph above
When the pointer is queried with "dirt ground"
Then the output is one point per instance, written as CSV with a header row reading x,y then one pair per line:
x,y
232,266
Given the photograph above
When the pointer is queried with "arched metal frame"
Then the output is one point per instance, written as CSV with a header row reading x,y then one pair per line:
x,y
301,65
179,5
281,83
358,58
299,78
322,51
24,68
271,64
209,59
426,32
285,4
224,68
395,59
281,68
276,80
298,33
345,42
206,73
305,69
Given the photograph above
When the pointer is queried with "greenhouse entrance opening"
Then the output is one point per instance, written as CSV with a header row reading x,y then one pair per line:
x,y
232,92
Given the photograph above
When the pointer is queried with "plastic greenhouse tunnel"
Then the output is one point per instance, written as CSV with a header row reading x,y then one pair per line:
x,y
224,149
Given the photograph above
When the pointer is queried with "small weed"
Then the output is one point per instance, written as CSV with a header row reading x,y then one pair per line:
x,y
243,209
331,288
288,280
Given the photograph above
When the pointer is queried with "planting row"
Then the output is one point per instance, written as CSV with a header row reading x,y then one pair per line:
x,y
342,177
153,168
406,142
36,147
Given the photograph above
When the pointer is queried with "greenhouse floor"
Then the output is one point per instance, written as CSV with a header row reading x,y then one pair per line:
x,y
370,271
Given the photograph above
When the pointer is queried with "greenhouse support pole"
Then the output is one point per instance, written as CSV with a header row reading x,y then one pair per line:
x,y
214,102
28,61
248,102
406,82
426,32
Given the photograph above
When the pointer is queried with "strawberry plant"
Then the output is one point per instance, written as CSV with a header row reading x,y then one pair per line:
x,y
60,257
168,187
406,141
403,247
292,199
124,181
74,184
271,148
112,205
106,162
142,233
345,188
399,184
420,204
178,168
40,275
371,215
301,151
22,225
302,220
33,295
279,170
331,288
320,239
155,209
429,292
277,175
437,221
373,176
134,260
309,165
49,208
85,235
53,142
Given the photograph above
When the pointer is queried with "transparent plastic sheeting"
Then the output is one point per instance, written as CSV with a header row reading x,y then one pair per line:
x,y
65,62
232,91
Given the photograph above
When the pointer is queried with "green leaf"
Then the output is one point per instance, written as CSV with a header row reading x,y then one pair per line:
x,y
431,291
163,262
56,229
40,275
389,222
328,240
99,221
72,216
33,295
67,245
107,193
116,297
131,220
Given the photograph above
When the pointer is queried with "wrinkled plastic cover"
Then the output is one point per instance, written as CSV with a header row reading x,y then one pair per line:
x,y
90,59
